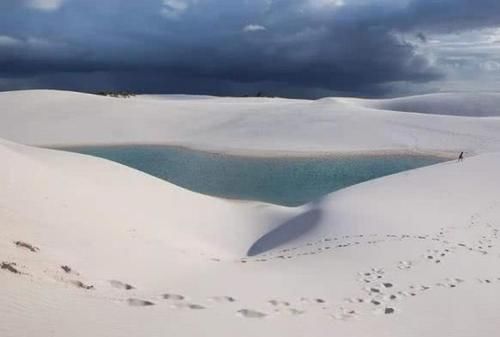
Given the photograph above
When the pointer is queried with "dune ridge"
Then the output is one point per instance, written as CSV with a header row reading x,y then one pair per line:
x,y
486,104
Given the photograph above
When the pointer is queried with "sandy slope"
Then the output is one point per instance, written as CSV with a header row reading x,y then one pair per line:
x,y
414,254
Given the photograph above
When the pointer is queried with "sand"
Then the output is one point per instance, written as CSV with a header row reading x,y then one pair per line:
x,y
93,248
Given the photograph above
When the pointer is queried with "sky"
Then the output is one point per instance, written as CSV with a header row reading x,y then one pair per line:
x,y
292,48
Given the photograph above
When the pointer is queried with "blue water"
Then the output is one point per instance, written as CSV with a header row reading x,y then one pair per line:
x,y
284,181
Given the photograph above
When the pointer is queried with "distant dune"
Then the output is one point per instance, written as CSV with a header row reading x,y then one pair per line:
x,y
455,104
247,125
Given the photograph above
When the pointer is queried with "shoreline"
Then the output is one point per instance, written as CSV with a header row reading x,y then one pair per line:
x,y
267,153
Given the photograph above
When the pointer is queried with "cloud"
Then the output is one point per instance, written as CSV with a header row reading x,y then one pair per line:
x,y
45,5
7,41
325,3
253,28
309,48
174,8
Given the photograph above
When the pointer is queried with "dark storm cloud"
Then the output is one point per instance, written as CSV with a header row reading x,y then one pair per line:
x,y
296,47
451,15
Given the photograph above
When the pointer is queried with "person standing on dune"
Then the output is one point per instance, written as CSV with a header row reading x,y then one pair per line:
x,y
461,156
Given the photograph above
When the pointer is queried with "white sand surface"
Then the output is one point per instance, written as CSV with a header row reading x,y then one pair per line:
x,y
412,254
256,125
463,104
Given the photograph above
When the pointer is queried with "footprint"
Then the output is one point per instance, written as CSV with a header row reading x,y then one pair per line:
x,y
420,287
355,300
28,246
436,256
450,283
10,266
312,300
173,297
134,302
389,311
372,275
277,303
344,314
82,285
403,265
485,281
247,313
121,285
294,312
222,299
188,306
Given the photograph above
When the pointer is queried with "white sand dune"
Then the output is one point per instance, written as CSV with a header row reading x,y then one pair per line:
x,y
413,254
456,104
258,125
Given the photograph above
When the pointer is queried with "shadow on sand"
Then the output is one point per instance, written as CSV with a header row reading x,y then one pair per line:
x,y
287,231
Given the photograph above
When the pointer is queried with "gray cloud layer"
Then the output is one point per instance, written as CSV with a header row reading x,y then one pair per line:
x,y
287,47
